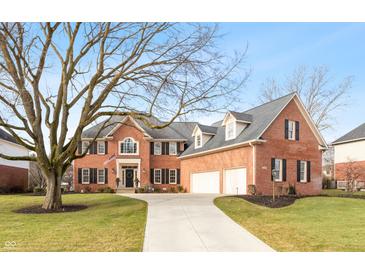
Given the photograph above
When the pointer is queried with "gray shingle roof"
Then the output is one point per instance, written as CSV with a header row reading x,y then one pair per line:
x,y
208,129
242,116
7,137
261,115
355,134
176,130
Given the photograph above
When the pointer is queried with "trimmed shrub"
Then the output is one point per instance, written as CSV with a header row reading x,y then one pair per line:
x,y
173,190
38,190
292,190
251,189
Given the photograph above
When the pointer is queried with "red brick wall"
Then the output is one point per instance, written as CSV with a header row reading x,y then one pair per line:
x,y
239,157
148,161
278,147
341,168
13,177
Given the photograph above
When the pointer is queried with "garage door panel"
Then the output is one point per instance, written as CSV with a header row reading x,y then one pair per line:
x,y
205,182
235,181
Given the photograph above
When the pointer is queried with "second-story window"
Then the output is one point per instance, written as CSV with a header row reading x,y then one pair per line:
x,y
291,130
101,147
198,141
128,146
230,131
157,148
85,145
172,148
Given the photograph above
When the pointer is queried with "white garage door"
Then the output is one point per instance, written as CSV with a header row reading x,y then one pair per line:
x,y
235,181
205,182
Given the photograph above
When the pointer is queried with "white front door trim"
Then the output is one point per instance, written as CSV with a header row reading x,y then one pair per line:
x,y
120,162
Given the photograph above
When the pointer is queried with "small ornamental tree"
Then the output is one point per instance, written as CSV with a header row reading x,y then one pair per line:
x,y
58,78
352,172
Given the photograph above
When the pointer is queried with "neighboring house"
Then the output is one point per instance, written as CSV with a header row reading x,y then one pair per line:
x,y
225,157
350,148
13,174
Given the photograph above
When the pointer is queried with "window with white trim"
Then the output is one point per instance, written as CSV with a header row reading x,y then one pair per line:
x,y
85,175
85,145
230,131
128,146
157,147
279,170
291,130
157,176
101,147
198,141
101,176
303,171
172,176
172,148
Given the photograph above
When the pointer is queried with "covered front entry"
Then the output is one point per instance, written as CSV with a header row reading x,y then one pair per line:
x,y
128,172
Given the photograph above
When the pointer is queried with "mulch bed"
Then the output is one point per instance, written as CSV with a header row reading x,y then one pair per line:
x,y
39,210
267,201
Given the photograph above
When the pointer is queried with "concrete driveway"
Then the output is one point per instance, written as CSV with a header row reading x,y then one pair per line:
x,y
191,222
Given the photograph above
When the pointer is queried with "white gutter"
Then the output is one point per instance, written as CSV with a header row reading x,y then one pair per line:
x,y
349,141
254,141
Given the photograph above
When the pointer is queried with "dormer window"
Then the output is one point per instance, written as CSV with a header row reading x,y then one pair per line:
x,y
230,130
198,141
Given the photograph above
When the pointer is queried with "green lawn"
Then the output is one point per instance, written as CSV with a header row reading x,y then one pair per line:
x,y
337,192
110,223
310,224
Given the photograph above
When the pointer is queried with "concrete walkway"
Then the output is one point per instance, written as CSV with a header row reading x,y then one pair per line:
x,y
191,222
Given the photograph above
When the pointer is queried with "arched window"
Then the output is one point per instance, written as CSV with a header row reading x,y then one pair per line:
x,y
128,146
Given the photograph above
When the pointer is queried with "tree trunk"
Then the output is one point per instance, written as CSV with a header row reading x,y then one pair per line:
x,y
53,200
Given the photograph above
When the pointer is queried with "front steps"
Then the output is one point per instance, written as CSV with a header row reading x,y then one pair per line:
x,y
125,190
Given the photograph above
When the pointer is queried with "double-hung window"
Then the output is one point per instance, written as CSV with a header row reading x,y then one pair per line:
x,y
230,129
157,176
101,176
303,171
291,130
129,146
101,147
85,145
157,148
172,148
278,176
85,176
172,176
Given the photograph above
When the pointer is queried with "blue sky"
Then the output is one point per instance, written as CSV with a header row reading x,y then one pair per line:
x,y
276,49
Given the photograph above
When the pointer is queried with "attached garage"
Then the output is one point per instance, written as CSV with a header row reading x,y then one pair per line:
x,y
205,182
235,181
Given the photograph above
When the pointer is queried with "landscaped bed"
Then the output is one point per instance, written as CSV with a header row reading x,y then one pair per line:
x,y
268,201
106,222
310,224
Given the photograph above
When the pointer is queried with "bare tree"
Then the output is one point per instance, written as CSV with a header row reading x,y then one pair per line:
x,y
58,78
352,172
317,90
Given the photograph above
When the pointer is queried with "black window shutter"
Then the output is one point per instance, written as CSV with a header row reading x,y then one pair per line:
x,y
91,148
79,175
167,148
95,175
91,175
95,147
284,170
298,171
308,171
178,176
272,168
106,175
106,147
297,130
178,147
79,148
286,128
167,176
152,148
152,176
163,148
163,176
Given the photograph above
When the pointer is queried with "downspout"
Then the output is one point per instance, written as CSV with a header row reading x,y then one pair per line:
x,y
253,163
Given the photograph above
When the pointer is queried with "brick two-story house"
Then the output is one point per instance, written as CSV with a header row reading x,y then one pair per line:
x,y
241,150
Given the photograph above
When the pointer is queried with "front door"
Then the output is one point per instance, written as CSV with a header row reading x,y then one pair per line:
x,y
129,177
